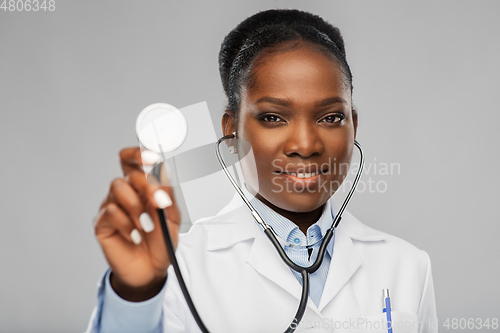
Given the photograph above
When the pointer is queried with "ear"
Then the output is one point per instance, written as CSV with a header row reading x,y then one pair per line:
x,y
355,121
228,123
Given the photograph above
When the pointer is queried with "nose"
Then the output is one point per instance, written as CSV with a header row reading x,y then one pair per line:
x,y
304,140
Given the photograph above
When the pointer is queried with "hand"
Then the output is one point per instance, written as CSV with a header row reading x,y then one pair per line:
x,y
136,251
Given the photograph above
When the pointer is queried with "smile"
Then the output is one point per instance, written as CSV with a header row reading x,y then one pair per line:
x,y
302,175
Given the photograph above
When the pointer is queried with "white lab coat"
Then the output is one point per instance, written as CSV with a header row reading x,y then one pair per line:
x,y
240,284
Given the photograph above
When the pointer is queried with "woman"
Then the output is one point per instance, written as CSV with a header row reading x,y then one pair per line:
x,y
289,95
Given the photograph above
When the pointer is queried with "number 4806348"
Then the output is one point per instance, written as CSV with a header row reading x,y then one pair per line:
x,y
28,5
471,323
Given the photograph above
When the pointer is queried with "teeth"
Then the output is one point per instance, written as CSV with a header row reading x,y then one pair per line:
x,y
302,175
306,175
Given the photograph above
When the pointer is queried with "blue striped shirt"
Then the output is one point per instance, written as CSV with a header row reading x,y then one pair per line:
x,y
298,243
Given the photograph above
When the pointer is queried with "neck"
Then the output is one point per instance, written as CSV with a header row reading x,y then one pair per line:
x,y
302,220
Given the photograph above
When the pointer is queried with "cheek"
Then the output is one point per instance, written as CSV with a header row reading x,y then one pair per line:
x,y
341,149
257,165
340,152
263,146
264,156
250,172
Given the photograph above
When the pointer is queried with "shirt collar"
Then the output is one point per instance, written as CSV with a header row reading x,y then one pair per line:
x,y
234,224
283,226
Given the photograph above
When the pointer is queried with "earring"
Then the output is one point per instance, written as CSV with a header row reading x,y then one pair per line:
x,y
232,150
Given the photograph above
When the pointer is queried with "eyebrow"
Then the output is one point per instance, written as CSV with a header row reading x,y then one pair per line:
x,y
286,102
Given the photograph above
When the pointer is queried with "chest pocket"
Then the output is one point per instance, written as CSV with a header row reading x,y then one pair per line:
x,y
402,322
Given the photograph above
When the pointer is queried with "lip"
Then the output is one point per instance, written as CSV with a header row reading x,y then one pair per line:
x,y
301,169
302,181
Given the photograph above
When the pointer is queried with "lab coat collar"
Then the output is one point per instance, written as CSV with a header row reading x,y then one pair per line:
x,y
235,224
354,228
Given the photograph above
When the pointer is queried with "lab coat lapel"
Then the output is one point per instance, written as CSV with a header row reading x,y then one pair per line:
x,y
345,259
345,262
235,224
264,258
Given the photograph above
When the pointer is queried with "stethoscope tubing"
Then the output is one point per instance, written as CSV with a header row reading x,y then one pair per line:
x,y
177,270
271,234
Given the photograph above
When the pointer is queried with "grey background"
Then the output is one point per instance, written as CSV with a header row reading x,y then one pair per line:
x,y
72,81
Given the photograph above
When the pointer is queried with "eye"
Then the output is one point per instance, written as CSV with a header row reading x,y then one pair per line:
x,y
333,118
271,118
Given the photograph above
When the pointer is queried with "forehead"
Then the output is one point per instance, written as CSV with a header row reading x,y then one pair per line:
x,y
301,74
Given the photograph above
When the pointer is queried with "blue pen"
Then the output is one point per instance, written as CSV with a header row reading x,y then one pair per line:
x,y
387,309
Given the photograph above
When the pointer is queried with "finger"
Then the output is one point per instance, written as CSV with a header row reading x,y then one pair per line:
x,y
155,240
170,200
132,159
123,194
153,198
149,193
173,211
112,220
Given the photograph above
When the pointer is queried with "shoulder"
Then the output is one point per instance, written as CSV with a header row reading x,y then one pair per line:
x,y
382,249
230,224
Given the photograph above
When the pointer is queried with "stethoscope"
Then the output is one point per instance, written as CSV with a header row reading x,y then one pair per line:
x,y
267,229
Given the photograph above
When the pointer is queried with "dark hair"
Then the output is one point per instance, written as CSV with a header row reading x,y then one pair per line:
x,y
271,30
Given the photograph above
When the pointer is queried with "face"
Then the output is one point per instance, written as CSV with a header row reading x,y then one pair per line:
x,y
297,116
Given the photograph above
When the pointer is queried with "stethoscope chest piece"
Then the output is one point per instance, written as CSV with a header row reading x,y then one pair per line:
x,y
161,127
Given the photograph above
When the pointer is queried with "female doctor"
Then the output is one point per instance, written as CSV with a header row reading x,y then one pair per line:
x,y
289,90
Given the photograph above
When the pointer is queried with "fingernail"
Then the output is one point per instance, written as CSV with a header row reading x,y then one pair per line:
x,y
150,157
136,236
146,222
162,199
